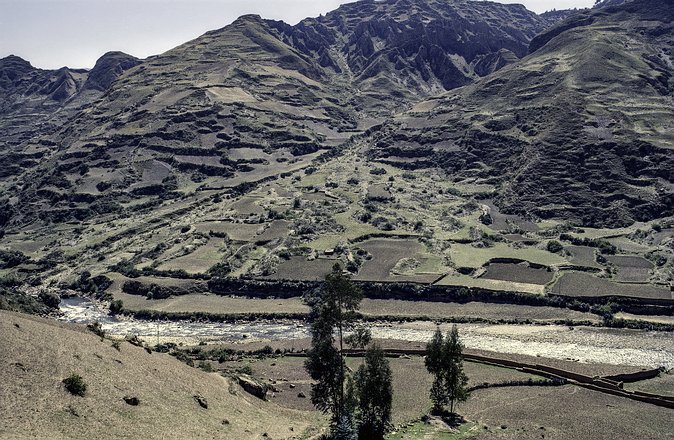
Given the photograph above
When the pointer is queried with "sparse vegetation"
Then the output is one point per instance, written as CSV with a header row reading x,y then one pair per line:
x,y
75,385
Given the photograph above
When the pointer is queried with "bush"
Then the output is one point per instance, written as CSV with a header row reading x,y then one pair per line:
x,y
246,369
50,299
10,259
554,246
75,385
604,246
96,328
102,186
116,306
220,269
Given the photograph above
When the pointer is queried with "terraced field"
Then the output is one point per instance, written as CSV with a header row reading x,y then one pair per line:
x,y
577,284
631,269
519,273
583,256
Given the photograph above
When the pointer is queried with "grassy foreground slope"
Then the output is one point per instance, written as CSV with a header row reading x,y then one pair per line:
x,y
37,354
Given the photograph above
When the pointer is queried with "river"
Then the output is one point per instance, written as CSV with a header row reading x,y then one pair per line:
x,y
582,344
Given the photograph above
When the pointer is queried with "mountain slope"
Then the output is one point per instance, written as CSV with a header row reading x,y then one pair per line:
x,y
581,129
247,103
30,97
37,354
398,50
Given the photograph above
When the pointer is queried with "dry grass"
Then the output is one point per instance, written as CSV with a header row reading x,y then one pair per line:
x,y
299,268
582,256
235,231
663,384
212,304
411,381
631,268
199,261
456,279
519,273
465,255
584,285
565,413
432,310
209,303
37,354
385,254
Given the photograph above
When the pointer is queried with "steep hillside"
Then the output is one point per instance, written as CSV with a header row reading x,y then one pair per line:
x,y
30,98
579,130
398,50
248,153
242,104
37,354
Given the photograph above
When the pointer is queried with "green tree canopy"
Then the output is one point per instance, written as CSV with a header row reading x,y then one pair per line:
x,y
375,386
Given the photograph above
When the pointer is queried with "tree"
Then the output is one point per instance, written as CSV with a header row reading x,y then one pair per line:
x,y
374,381
455,378
333,312
345,429
554,246
434,365
444,360
116,306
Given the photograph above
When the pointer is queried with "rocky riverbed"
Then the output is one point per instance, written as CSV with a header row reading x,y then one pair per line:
x,y
582,344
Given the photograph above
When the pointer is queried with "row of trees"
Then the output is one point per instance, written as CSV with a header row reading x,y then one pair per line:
x,y
360,403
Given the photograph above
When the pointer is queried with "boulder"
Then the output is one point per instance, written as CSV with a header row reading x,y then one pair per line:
x,y
251,386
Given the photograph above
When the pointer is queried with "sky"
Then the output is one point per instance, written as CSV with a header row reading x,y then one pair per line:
x,y
75,33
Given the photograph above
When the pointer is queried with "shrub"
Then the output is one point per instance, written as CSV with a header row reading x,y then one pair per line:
x,y
102,186
205,366
116,306
75,385
604,246
96,328
246,369
10,259
554,246
220,269
50,299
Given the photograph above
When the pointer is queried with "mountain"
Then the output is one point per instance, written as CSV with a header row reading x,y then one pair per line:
x,y
398,50
29,97
260,145
180,120
580,129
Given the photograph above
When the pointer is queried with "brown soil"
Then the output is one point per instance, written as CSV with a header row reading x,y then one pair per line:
x,y
37,354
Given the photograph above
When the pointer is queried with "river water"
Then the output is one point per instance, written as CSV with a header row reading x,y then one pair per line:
x,y
583,344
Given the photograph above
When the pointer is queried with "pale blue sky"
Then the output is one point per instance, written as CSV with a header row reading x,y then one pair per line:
x,y
74,33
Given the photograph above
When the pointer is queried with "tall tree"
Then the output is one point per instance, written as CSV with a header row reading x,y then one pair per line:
x,y
444,360
333,312
375,387
434,364
455,378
